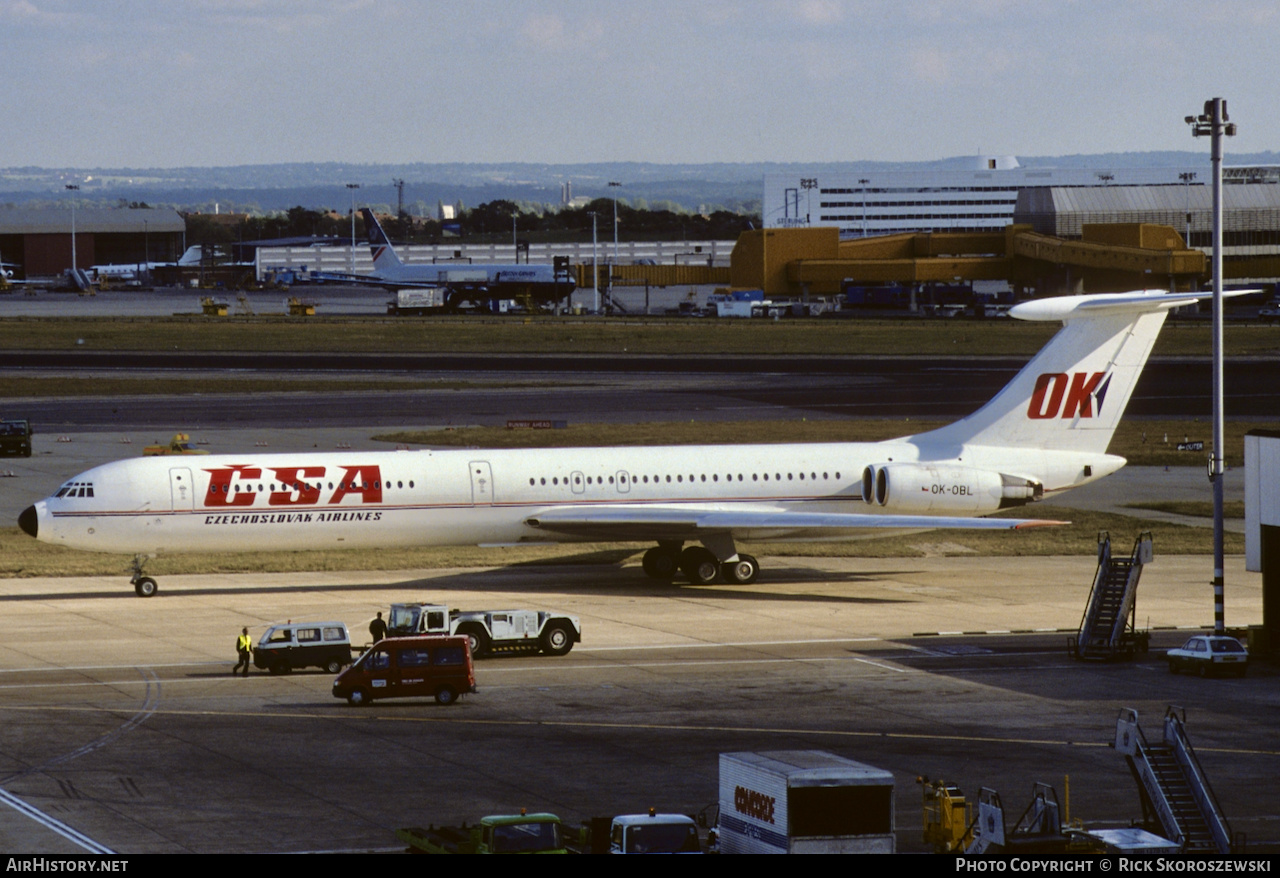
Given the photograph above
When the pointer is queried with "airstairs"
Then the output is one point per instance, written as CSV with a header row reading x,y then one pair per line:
x,y
1107,628
79,278
1038,831
1175,793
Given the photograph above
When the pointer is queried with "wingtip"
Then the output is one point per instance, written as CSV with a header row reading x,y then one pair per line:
x,y
1040,522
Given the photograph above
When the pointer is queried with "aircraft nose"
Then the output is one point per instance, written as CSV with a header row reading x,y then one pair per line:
x,y
28,521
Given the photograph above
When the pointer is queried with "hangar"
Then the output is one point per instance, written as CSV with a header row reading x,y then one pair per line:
x,y
39,240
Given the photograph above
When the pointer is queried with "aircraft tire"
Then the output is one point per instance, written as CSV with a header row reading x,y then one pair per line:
x,y
700,565
145,587
661,564
744,571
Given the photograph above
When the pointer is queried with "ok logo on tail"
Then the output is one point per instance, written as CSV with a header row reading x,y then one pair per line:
x,y
1058,394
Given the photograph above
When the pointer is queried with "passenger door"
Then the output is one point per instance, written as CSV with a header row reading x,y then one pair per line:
x,y
181,490
481,483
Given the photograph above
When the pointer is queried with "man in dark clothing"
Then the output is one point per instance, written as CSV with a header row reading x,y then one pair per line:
x,y
378,628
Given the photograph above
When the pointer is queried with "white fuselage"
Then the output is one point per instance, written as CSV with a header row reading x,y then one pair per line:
x,y
468,497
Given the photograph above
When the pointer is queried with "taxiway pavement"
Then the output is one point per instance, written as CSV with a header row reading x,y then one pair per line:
x,y
118,716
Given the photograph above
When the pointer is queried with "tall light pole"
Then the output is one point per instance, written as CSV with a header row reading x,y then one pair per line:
x,y
1213,122
595,271
614,185
352,262
808,184
73,188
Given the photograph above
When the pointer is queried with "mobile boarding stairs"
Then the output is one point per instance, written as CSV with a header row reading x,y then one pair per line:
x,y
1107,628
1175,794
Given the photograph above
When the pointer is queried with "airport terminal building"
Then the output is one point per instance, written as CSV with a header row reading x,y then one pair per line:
x,y
982,198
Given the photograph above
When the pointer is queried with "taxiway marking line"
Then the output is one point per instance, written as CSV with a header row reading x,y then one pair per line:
x,y
631,726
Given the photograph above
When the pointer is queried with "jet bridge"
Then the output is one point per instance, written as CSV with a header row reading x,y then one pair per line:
x,y
1175,794
1107,629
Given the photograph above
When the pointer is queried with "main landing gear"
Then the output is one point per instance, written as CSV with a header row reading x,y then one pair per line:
x,y
700,565
143,586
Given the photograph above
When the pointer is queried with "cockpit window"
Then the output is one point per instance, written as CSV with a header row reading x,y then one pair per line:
x,y
75,489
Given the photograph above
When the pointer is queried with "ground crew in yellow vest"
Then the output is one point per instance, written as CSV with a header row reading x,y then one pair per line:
x,y
244,648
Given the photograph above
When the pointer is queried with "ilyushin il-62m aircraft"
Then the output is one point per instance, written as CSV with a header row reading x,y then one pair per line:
x,y
479,282
1046,431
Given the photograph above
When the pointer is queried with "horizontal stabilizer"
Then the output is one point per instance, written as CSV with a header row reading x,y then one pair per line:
x,y
1063,308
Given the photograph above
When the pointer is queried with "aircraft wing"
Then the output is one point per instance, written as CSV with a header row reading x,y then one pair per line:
x,y
691,523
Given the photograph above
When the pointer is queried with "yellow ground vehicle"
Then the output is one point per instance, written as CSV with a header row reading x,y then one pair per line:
x,y
179,444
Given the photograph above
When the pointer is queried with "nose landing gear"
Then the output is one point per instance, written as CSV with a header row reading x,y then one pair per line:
x,y
143,586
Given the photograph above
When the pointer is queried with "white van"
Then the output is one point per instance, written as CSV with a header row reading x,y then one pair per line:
x,y
324,645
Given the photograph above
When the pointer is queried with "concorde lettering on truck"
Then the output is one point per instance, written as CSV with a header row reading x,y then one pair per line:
x,y
804,801
489,630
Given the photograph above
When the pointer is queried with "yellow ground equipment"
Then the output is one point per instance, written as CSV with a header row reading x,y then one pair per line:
x,y
948,824
179,444
298,308
212,307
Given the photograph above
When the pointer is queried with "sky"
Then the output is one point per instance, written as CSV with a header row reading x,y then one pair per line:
x,y
174,83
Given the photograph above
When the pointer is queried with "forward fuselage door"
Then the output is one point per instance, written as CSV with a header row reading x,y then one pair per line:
x,y
623,481
481,483
181,489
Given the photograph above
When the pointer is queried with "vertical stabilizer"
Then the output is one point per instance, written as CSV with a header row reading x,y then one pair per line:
x,y
1071,396
385,259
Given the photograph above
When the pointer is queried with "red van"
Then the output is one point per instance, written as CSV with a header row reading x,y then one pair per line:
x,y
410,667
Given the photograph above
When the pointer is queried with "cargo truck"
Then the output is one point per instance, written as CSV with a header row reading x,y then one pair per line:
x,y
419,301
15,436
804,802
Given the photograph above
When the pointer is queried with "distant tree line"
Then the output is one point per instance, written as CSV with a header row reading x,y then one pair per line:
x,y
491,222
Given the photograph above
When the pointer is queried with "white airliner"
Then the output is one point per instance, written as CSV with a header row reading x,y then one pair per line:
x,y
475,282
1046,431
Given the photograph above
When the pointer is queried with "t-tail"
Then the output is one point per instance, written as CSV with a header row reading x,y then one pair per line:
x,y
1071,396
385,259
